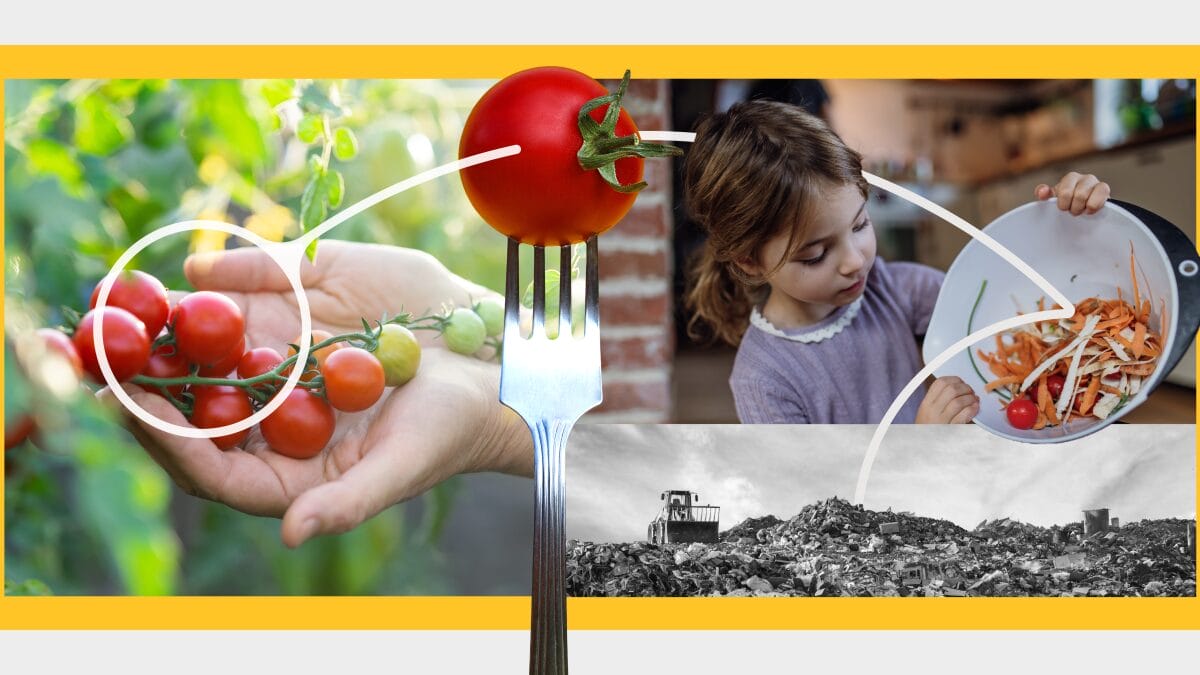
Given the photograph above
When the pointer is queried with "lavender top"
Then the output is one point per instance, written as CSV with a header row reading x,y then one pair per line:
x,y
850,365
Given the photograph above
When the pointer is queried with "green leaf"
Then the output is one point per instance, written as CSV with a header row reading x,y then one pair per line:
x,y
310,128
311,252
27,587
335,187
278,91
99,127
345,145
313,99
313,203
49,157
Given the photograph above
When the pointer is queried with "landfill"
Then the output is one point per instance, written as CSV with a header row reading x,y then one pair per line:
x,y
835,548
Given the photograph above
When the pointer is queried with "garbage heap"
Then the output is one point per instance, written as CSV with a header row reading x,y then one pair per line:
x,y
835,548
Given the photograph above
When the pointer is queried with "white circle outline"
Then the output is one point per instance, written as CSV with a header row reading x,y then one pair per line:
x,y
287,255
1188,268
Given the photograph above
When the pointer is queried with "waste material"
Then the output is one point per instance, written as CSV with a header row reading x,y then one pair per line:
x,y
835,548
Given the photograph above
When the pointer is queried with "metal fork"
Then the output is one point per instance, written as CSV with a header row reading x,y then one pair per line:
x,y
550,384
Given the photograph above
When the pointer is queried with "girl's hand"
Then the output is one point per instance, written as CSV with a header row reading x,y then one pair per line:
x,y
949,401
1077,193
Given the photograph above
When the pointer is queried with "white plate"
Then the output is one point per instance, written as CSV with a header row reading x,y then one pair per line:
x,y
1082,256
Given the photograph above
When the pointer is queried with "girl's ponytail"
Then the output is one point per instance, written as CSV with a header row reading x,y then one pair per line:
x,y
720,301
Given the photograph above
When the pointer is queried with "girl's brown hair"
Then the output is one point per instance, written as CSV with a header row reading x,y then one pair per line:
x,y
752,173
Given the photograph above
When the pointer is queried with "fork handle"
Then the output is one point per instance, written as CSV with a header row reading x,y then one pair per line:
x,y
548,638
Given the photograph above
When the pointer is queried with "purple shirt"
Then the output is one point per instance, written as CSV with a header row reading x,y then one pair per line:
x,y
856,360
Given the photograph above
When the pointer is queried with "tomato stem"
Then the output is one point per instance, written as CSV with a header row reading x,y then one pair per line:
x,y
601,146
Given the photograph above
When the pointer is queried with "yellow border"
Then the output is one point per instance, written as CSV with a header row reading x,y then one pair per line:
x,y
360,613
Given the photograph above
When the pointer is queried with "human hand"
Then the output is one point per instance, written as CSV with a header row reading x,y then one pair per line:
x,y
948,401
1077,193
446,420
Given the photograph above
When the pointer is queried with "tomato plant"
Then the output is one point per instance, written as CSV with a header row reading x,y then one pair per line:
x,y
580,164
354,379
1022,413
125,343
140,294
207,326
318,336
256,362
399,353
301,427
465,332
491,311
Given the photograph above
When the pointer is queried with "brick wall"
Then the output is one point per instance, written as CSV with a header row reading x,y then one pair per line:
x,y
636,330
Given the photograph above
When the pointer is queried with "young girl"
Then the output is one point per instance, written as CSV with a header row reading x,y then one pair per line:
x,y
827,333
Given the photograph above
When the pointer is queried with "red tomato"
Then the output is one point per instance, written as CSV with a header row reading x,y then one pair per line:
x,y
354,379
226,365
256,362
164,363
1022,413
208,326
543,196
57,341
16,431
300,427
125,344
216,406
1054,384
142,295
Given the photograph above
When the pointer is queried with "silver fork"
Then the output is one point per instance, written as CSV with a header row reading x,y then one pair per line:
x,y
550,384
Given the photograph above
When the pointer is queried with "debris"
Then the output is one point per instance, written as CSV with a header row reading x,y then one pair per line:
x,y
834,548
889,528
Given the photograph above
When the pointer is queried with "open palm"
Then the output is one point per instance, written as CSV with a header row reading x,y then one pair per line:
x,y
447,420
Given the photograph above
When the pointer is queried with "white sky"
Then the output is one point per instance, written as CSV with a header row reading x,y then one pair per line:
x,y
964,474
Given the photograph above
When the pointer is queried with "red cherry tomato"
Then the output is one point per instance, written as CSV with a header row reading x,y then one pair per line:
x,y
216,406
301,427
140,294
164,363
542,195
226,365
354,379
125,344
57,342
208,326
256,362
1054,384
1022,413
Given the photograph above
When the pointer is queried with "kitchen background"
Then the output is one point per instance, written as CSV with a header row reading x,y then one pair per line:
x,y
977,147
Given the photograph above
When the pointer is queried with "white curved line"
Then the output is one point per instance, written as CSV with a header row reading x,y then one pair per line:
x,y
1067,311
680,136
406,184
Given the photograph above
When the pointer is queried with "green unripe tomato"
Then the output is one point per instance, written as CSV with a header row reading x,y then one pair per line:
x,y
491,311
465,332
399,353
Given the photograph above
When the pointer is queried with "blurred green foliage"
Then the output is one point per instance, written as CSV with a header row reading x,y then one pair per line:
x,y
92,166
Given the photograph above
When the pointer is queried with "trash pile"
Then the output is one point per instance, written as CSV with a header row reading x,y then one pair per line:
x,y
834,548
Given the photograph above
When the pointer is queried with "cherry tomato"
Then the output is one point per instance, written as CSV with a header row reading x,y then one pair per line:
x,y
208,326
125,344
16,431
354,379
543,196
57,342
1022,413
399,353
226,365
465,332
140,294
301,427
216,406
491,311
256,362
318,336
166,362
1054,384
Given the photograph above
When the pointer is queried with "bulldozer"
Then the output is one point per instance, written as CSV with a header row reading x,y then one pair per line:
x,y
683,520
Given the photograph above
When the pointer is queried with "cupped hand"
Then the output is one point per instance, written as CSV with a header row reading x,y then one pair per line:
x,y
446,420
948,401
